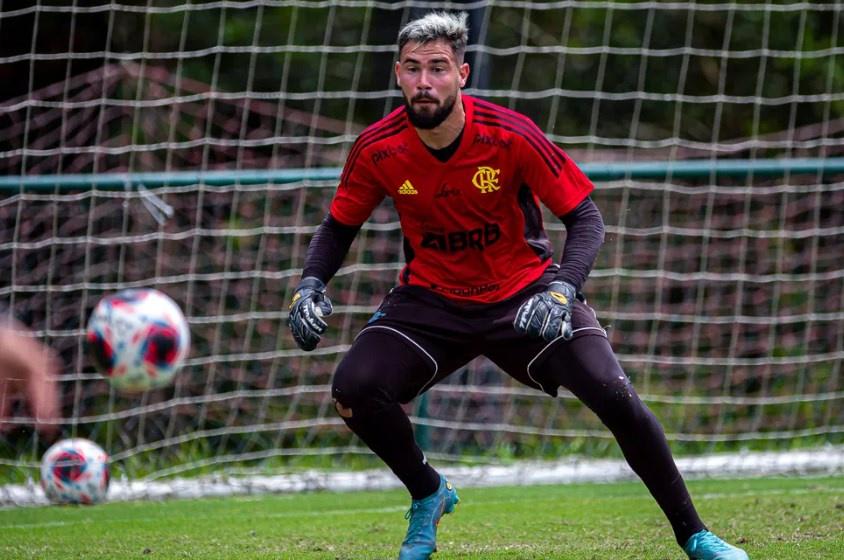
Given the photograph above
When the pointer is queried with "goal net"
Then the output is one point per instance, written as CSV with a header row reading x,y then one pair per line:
x,y
193,147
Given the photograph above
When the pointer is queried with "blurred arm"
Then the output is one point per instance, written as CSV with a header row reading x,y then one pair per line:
x,y
28,366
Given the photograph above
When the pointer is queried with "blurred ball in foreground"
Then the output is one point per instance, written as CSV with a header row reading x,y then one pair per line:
x,y
139,339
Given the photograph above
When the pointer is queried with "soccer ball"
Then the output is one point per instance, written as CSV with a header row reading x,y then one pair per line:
x,y
138,339
75,471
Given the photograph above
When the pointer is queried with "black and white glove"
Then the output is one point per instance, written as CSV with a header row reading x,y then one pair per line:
x,y
547,314
308,307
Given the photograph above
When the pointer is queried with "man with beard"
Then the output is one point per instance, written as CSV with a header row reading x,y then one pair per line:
x,y
466,177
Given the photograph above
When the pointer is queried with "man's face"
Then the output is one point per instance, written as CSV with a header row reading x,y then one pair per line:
x,y
430,77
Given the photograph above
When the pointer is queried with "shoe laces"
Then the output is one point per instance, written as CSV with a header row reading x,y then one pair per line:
x,y
413,507
417,524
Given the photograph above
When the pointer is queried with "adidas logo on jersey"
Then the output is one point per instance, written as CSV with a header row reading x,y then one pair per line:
x,y
407,188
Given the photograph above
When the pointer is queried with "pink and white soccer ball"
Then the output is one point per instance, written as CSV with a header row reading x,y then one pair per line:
x,y
138,338
75,471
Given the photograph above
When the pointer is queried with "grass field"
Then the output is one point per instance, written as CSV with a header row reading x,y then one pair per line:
x,y
775,518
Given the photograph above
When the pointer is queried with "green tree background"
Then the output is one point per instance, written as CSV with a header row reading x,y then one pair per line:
x,y
787,53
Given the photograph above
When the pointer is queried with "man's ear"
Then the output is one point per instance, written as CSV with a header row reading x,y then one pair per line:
x,y
463,71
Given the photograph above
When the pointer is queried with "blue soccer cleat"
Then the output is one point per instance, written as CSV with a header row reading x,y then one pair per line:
x,y
424,515
705,545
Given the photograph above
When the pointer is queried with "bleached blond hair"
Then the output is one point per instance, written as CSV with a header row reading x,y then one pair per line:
x,y
435,26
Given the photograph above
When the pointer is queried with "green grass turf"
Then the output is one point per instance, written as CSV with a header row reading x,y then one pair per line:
x,y
773,518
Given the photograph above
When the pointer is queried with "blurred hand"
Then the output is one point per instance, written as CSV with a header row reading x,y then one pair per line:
x,y
28,368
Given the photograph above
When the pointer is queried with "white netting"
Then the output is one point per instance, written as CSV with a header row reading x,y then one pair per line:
x,y
723,293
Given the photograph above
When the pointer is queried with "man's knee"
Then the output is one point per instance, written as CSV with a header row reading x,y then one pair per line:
x,y
343,410
357,389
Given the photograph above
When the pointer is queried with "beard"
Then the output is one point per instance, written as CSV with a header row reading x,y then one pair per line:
x,y
427,120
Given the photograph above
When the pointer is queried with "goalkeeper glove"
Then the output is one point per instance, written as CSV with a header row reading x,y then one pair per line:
x,y
307,309
547,314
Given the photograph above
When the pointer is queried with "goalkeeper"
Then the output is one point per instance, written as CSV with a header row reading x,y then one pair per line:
x,y
466,177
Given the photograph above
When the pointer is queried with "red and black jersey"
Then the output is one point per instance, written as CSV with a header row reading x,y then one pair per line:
x,y
472,225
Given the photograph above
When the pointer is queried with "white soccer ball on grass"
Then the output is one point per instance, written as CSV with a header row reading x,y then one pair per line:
x,y
75,471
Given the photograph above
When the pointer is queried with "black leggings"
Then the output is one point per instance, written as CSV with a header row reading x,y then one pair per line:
x,y
384,368
595,377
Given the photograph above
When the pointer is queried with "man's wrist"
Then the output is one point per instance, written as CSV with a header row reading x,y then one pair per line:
x,y
569,289
312,283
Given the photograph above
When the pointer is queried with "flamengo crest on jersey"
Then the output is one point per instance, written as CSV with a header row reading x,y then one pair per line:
x,y
486,179
472,225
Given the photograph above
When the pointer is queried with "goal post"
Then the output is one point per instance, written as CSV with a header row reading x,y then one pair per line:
x,y
194,147
596,171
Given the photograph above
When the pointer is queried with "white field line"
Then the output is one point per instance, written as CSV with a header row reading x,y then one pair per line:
x,y
400,509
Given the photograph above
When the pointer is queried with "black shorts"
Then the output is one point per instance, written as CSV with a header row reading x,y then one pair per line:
x,y
446,335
